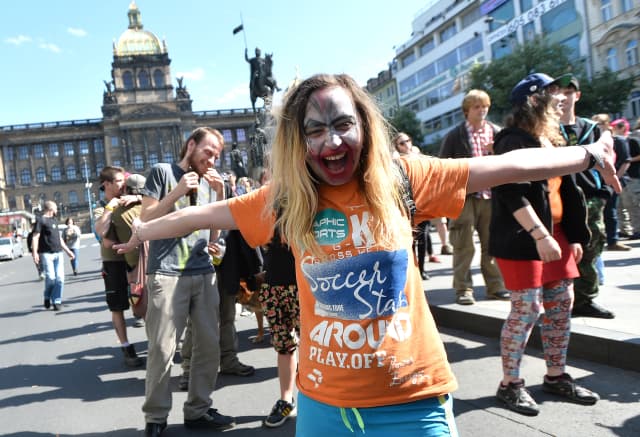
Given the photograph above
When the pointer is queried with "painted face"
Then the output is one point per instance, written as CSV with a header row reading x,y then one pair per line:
x,y
333,136
477,113
204,155
403,144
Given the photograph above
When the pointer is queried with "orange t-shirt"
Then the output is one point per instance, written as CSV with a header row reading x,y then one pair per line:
x,y
367,336
555,200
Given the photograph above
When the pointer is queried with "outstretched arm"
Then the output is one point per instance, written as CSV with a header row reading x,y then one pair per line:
x,y
537,164
182,222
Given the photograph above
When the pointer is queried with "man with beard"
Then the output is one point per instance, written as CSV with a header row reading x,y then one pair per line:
x,y
114,267
181,284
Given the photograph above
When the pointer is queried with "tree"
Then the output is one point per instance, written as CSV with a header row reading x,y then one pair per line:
x,y
605,93
405,120
499,76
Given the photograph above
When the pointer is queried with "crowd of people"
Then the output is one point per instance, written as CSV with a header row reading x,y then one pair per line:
x,y
335,237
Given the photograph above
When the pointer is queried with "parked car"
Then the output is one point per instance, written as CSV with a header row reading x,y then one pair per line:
x,y
10,248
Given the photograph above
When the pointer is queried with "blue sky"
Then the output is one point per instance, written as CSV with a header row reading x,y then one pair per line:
x,y
56,54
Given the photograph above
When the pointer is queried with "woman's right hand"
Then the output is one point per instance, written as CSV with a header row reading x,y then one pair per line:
x,y
548,249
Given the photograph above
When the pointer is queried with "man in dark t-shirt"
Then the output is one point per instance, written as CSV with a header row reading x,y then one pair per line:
x,y
46,248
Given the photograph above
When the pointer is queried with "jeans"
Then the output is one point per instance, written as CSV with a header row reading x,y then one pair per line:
x,y
53,268
611,219
74,261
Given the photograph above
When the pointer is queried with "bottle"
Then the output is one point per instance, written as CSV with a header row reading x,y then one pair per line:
x,y
222,244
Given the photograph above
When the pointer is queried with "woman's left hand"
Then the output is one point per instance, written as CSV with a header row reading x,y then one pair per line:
x,y
576,249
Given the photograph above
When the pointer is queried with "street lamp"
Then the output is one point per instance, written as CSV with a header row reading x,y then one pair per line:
x,y
87,186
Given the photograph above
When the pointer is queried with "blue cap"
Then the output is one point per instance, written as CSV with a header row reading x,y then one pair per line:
x,y
529,85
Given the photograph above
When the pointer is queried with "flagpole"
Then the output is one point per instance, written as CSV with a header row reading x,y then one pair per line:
x,y
244,32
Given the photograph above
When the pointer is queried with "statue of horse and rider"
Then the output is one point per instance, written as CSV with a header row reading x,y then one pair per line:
x,y
262,83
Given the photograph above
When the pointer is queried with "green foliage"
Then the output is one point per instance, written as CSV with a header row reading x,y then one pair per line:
x,y
500,75
605,93
405,120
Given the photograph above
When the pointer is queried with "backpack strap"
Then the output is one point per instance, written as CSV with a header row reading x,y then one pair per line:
x,y
406,191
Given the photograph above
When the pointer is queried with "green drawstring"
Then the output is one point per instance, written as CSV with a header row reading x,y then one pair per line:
x,y
345,419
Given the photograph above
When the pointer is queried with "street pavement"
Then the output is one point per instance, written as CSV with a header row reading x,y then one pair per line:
x,y
62,374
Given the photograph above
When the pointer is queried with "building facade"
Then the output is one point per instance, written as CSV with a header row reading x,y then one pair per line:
x,y
449,37
145,121
384,89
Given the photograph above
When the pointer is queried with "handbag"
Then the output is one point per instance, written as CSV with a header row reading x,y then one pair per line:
x,y
138,282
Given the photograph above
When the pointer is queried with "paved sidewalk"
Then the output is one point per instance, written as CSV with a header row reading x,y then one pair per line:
x,y
614,342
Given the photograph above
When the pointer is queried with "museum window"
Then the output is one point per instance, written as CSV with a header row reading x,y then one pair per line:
x,y
68,149
27,201
167,157
11,177
153,158
143,79
228,138
605,9
54,150
138,162
84,147
23,153
117,163
127,80
86,173
12,203
40,175
241,135
158,78
25,177
71,172
38,151
98,146
612,59
99,167
631,52
73,198
56,175
8,154
115,142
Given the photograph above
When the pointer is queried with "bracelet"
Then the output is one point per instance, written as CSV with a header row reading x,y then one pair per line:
x,y
543,237
594,158
533,228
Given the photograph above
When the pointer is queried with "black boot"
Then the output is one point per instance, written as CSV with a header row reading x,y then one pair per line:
x,y
131,359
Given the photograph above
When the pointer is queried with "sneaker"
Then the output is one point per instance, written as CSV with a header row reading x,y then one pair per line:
x,y
618,247
139,323
592,309
211,420
154,429
565,386
131,358
446,250
56,306
239,370
47,303
517,398
280,412
183,382
41,276
465,297
499,295
634,236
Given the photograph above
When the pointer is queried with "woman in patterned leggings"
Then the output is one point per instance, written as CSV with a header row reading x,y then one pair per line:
x,y
536,233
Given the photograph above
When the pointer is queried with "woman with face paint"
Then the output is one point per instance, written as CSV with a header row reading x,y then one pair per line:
x,y
371,360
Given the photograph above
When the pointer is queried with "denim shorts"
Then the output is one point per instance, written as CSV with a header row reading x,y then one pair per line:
x,y
427,418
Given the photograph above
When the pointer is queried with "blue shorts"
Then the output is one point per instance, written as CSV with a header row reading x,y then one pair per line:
x,y
427,417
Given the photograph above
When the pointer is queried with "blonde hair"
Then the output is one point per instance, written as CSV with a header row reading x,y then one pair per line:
x,y
603,120
473,97
294,193
537,116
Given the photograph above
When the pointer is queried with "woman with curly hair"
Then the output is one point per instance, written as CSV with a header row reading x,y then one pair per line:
x,y
537,231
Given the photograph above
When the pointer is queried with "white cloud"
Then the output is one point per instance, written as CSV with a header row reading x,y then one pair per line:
x,y
17,40
233,95
50,47
195,74
77,32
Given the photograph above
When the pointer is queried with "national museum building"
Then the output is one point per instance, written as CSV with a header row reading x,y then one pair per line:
x,y
145,121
